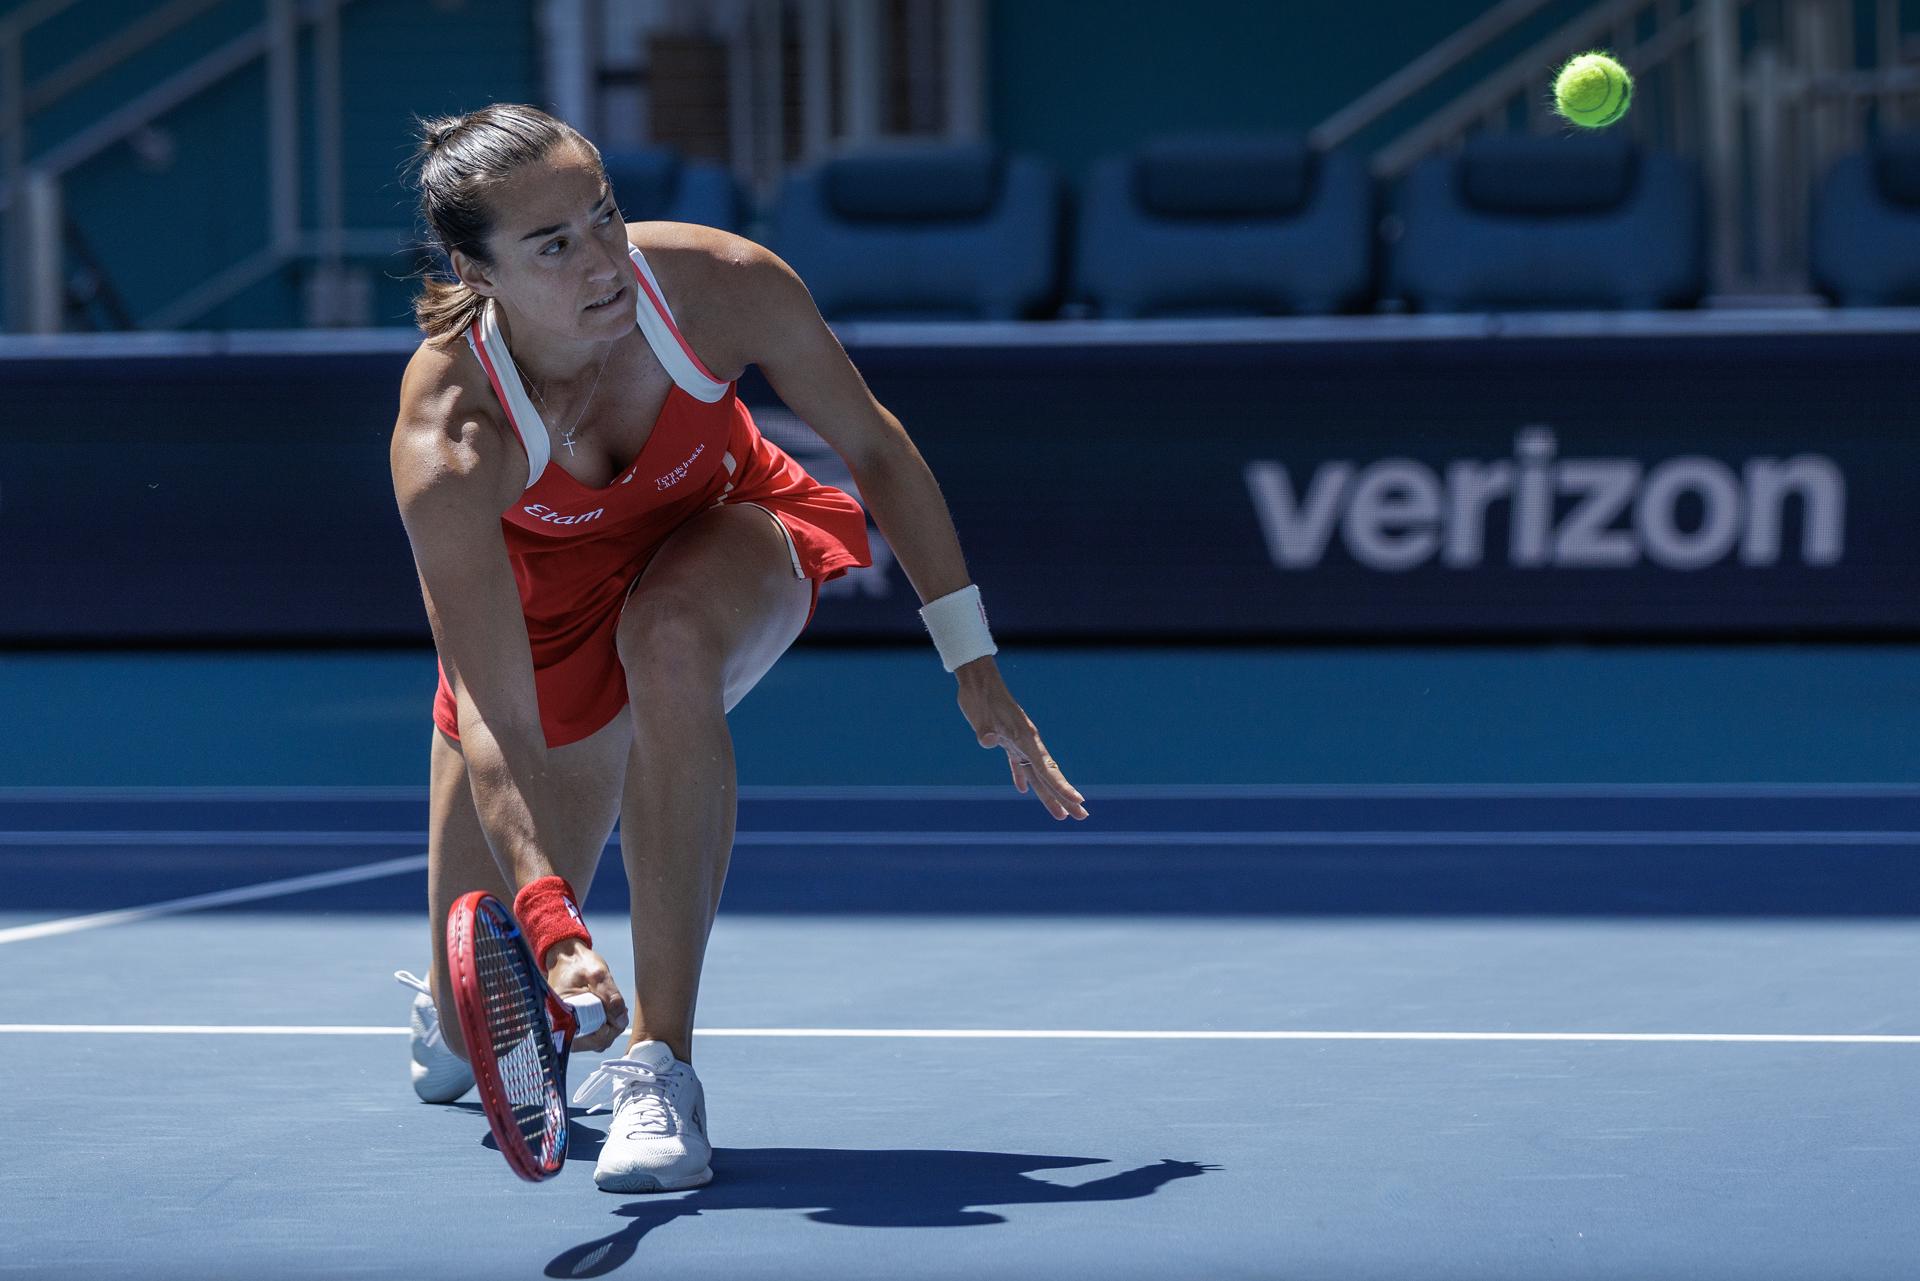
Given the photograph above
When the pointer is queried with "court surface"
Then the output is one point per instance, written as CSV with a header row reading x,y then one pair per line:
x,y
1318,1027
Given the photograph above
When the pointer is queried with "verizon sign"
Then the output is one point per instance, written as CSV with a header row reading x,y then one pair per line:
x,y
1682,513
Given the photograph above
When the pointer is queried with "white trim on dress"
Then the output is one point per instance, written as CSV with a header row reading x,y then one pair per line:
x,y
655,321
663,335
526,419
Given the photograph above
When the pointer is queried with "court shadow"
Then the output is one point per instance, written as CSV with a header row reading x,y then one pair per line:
x,y
583,1142
863,1188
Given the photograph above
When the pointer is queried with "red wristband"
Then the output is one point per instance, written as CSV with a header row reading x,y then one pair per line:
x,y
547,914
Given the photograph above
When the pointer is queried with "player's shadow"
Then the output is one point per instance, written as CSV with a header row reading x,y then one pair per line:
x,y
581,1139
863,1189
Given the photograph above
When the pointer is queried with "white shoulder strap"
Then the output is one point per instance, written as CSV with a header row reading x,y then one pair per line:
x,y
663,335
491,350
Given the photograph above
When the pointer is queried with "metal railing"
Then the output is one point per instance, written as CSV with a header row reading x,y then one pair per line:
x,y
1764,113
31,195
843,50
801,78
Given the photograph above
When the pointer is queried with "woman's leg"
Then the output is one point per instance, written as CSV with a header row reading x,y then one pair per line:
x,y
459,859
716,607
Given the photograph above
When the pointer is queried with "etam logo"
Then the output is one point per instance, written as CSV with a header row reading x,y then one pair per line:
x,y
548,516
1576,513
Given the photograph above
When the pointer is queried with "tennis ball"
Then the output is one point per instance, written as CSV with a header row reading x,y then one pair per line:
x,y
1592,90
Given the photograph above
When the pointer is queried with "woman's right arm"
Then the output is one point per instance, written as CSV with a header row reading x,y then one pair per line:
x,y
454,471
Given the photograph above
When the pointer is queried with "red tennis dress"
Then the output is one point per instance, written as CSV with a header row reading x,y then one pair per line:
x,y
578,551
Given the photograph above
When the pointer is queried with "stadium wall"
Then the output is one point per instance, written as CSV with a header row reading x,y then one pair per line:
x,y
1388,478
1072,80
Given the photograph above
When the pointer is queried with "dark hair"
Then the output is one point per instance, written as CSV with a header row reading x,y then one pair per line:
x,y
458,161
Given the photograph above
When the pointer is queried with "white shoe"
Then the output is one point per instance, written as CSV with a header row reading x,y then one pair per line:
x,y
439,1075
657,1140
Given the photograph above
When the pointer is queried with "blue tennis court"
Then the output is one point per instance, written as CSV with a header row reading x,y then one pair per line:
x,y
1339,1027
1437,477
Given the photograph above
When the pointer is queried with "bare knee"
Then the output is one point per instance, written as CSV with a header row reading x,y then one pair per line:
x,y
672,652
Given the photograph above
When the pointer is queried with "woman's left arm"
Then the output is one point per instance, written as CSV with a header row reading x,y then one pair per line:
x,y
780,330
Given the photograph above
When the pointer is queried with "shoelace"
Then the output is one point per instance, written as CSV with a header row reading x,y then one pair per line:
x,y
635,1088
420,985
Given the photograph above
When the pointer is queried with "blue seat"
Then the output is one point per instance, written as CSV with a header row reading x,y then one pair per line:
x,y
1521,222
927,233
1865,239
1225,226
657,183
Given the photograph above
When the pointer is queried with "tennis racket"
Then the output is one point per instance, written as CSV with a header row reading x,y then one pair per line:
x,y
518,1033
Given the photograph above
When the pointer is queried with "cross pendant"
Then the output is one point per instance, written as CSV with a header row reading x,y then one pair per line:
x,y
568,442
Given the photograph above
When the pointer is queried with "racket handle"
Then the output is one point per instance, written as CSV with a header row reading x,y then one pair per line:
x,y
587,1009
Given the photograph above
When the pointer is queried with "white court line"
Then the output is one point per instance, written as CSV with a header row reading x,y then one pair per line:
x,y
219,898
1017,1034
1044,836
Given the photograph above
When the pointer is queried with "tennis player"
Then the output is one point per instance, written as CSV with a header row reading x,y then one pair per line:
x,y
612,555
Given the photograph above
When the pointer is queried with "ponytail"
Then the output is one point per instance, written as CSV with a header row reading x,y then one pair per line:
x,y
445,309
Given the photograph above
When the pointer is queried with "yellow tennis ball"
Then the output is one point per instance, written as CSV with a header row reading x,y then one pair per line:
x,y
1592,90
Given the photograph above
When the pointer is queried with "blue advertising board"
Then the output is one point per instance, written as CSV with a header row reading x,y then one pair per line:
x,y
1373,483
1740,484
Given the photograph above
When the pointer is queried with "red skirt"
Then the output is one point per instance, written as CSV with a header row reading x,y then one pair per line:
x,y
572,591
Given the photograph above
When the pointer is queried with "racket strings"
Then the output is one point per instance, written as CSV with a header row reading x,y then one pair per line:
x,y
522,1040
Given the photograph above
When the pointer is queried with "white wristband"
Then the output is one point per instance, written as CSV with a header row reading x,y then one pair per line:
x,y
958,624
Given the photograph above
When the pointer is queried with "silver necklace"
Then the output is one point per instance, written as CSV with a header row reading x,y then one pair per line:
x,y
566,436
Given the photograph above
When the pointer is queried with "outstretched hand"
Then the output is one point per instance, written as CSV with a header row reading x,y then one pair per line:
x,y
999,722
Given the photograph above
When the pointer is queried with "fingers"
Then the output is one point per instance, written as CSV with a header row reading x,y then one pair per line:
x,y
1059,796
598,1041
616,1016
584,971
1033,767
1069,797
1032,760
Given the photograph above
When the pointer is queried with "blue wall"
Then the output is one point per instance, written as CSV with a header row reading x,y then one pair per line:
x,y
1073,79
1638,484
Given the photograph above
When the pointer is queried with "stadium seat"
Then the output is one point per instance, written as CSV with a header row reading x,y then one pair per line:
x,y
657,183
926,233
1865,242
1225,226
1524,222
